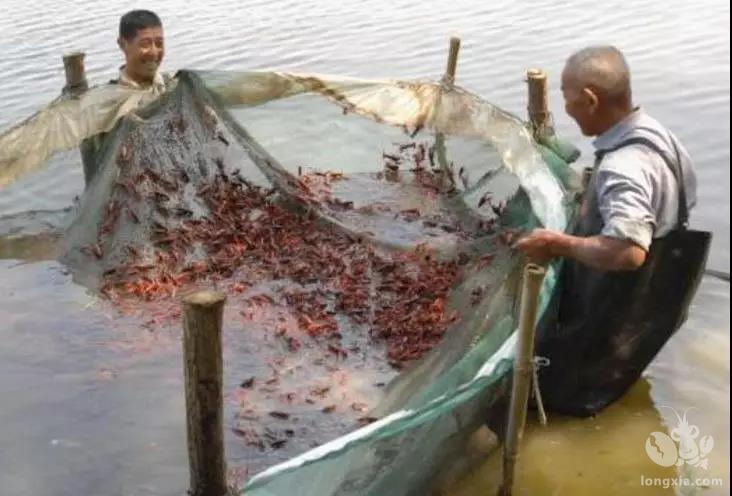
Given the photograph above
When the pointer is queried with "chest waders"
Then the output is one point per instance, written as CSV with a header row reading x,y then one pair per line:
x,y
604,327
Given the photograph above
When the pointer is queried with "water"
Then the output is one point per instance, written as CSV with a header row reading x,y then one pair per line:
x,y
95,409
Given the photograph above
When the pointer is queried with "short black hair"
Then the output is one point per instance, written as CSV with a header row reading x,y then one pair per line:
x,y
134,20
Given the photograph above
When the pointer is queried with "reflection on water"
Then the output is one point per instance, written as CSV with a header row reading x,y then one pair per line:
x,y
92,406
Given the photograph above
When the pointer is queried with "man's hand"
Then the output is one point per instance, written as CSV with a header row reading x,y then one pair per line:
x,y
599,252
540,245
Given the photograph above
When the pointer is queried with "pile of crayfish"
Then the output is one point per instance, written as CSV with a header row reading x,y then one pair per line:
x,y
245,236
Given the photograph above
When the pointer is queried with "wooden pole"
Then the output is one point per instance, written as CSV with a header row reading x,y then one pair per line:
x,y
539,115
452,59
448,80
522,371
75,73
202,318
76,84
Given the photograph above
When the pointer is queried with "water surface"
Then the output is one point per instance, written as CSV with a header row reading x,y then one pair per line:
x,y
89,407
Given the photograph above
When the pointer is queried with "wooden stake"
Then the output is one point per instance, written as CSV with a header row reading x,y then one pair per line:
x,y
538,103
202,318
75,73
452,59
448,80
522,372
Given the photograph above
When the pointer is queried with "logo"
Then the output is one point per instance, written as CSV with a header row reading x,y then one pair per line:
x,y
682,447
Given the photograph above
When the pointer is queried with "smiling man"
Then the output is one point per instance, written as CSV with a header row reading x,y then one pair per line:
x,y
141,41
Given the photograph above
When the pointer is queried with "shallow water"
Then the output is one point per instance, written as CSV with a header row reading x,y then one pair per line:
x,y
89,408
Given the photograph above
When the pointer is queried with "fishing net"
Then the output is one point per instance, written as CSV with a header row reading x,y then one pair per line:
x,y
359,230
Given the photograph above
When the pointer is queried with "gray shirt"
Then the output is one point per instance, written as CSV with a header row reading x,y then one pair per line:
x,y
637,193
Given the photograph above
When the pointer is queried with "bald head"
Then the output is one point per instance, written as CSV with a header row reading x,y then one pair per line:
x,y
604,70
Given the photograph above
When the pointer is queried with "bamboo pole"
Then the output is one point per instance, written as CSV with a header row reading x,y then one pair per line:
x,y
540,118
533,277
539,115
202,352
448,81
75,73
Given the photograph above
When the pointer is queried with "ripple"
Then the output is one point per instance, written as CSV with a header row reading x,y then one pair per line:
x,y
679,52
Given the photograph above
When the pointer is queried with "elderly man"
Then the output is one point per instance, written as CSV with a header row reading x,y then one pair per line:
x,y
606,325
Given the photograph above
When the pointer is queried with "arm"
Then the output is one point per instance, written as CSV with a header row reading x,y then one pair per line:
x,y
599,252
624,189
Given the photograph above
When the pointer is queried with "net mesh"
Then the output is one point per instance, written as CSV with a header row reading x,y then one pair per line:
x,y
359,229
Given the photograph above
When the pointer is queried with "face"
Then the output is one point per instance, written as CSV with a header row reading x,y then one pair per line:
x,y
580,103
143,53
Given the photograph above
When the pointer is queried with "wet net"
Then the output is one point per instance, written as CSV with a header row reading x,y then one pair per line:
x,y
359,230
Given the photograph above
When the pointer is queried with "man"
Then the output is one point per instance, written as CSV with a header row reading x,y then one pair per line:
x,y
141,41
606,325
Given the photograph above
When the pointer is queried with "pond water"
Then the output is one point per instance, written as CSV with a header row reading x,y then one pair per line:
x,y
90,406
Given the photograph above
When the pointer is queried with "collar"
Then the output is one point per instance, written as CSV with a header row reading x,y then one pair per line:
x,y
615,134
157,86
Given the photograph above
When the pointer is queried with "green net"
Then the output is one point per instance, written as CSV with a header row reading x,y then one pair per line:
x,y
358,228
